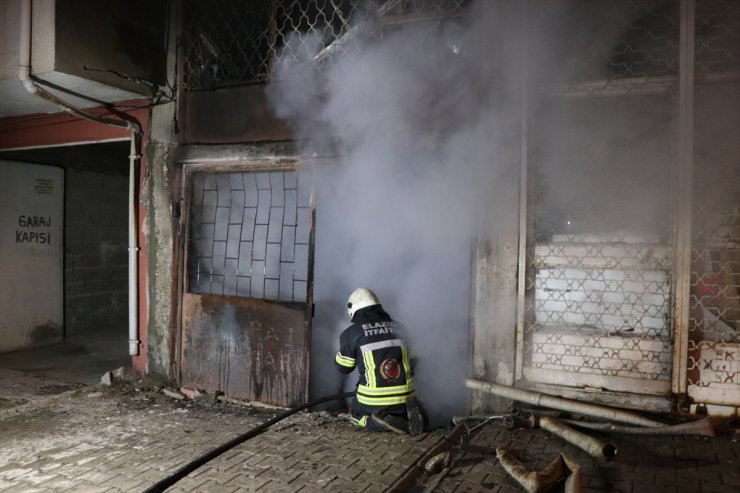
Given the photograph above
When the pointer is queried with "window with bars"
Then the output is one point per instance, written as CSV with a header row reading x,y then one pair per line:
x,y
249,235
236,43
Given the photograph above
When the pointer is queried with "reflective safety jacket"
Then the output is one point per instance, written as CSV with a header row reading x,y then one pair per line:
x,y
374,345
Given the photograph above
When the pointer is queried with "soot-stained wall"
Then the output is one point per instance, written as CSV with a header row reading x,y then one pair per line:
x,y
117,42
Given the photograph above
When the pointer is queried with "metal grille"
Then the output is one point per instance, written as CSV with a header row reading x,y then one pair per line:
x,y
234,42
249,235
598,281
600,258
612,47
717,39
714,324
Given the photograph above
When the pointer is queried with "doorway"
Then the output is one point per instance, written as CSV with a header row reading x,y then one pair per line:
x,y
247,290
93,334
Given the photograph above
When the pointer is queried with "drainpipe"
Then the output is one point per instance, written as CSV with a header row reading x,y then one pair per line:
x,y
133,249
24,75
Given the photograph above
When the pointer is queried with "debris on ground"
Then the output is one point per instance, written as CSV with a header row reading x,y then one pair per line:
x,y
562,467
438,462
173,393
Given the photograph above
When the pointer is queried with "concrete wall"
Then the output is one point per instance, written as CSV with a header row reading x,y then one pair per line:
x,y
159,188
42,41
96,252
94,38
31,223
159,197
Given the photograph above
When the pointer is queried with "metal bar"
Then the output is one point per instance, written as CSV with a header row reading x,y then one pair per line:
x,y
523,191
181,267
593,446
244,157
679,383
241,232
272,34
309,274
254,235
621,399
338,11
390,20
614,87
354,31
702,427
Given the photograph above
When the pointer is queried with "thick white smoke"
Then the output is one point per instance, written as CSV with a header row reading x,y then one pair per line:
x,y
419,129
425,122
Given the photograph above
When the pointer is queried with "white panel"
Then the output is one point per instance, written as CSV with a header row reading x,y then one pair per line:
x,y
31,249
717,366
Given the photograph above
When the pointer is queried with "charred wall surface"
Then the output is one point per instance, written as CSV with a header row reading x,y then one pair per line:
x,y
584,220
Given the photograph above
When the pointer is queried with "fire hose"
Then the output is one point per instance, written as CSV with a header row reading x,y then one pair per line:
x,y
191,466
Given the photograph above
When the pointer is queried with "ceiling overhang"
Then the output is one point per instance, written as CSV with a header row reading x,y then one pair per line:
x,y
77,91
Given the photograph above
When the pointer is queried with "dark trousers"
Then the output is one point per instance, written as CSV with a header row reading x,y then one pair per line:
x,y
360,414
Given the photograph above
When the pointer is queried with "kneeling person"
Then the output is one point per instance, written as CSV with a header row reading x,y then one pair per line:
x,y
384,400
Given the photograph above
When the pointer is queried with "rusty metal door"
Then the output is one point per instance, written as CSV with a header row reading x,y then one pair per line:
x,y
246,303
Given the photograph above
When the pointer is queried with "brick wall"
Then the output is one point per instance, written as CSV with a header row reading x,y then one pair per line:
x,y
96,254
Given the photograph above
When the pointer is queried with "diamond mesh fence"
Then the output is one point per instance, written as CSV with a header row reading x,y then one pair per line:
x,y
601,248
600,263
714,301
235,42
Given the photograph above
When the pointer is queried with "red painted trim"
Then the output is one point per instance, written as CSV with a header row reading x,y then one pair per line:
x,y
47,130
44,130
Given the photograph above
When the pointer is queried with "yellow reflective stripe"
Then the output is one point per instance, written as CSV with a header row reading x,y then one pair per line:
x,y
345,361
381,391
406,363
369,369
383,401
360,423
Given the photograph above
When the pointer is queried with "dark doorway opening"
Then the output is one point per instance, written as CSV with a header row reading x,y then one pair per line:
x,y
95,263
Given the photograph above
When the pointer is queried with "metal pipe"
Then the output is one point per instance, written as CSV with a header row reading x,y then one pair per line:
x,y
544,400
24,75
538,481
702,427
522,270
683,199
133,250
594,447
24,51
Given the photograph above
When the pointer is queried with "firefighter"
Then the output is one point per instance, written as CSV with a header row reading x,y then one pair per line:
x,y
384,399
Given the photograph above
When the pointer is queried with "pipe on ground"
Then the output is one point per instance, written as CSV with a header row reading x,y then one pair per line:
x,y
538,481
594,447
544,400
702,427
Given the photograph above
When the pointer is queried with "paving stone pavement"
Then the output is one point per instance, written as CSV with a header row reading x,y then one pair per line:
x,y
126,438
58,437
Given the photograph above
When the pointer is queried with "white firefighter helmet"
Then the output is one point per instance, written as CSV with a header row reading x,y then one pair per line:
x,y
360,298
